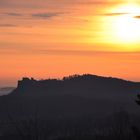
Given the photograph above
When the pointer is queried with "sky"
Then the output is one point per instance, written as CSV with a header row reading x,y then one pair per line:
x,y
55,38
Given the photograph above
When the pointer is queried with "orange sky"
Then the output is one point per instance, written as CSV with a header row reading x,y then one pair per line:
x,y
51,38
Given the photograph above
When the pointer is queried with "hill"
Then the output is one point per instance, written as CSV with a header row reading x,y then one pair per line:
x,y
6,90
72,96
78,104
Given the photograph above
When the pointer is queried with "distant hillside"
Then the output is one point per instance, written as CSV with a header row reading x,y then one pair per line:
x,y
6,90
73,96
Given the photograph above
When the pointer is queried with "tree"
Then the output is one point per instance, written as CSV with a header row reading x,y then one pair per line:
x,y
138,99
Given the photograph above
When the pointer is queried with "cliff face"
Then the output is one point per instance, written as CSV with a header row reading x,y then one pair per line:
x,y
31,86
26,85
25,82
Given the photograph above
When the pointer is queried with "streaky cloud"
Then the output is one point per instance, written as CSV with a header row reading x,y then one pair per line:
x,y
83,52
14,14
115,14
46,15
8,25
137,17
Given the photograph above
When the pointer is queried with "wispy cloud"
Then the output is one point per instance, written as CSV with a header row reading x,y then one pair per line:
x,y
45,15
53,3
14,14
82,52
138,17
8,25
115,14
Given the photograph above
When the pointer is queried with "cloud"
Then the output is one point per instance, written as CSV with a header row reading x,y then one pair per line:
x,y
8,25
115,14
45,15
82,52
13,14
138,17
53,3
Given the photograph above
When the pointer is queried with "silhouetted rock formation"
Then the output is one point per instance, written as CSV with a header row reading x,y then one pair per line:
x,y
89,99
72,96
86,85
26,82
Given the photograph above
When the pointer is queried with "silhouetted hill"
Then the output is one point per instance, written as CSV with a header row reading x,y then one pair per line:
x,y
89,86
89,98
72,96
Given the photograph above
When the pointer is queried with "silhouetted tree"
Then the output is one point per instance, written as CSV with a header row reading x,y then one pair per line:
x,y
135,130
138,99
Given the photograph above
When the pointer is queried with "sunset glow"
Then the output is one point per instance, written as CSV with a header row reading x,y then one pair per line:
x,y
52,38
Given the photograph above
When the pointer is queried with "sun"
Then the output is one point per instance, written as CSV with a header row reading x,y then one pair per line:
x,y
126,25
127,29
121,26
